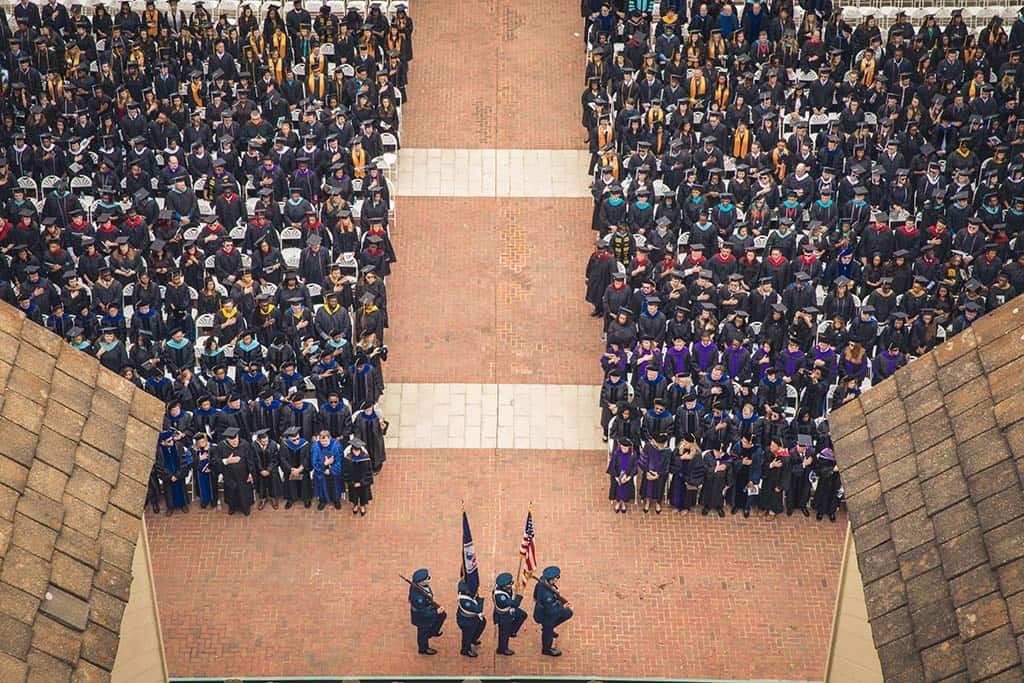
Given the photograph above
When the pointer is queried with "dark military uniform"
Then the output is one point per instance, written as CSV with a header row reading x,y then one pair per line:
x,y
549,612
507,614
427,618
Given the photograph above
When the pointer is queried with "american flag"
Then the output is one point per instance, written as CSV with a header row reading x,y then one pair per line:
x,y
527,551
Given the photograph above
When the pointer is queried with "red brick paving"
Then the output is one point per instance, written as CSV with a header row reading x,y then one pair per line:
x,y
495,74
517,314
655,596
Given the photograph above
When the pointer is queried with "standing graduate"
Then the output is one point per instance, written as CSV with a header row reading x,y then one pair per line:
x,y
172,467
775,480
370,428
295,465
204,473
326,461
826,493
614,390
549,611
508,615
745,474
621,471
654,463
235,461
267,458
358,474
470,618
801,461
424,612
687,469
716,479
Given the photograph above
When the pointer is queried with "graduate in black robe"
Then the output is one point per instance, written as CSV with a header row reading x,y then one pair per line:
x,y
687,470
296,466
204,473
745,474
235,462
774,480
614,390
654,465
357,471
336,417
110,351
622,475
801,460
266,459
826,492
716,478
369,427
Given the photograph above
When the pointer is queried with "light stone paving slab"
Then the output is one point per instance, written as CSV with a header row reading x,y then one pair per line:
x,y
493,173
507,416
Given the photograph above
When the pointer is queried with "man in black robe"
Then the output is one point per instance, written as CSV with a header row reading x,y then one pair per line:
x,y
369,427
266,458
236,462
296,467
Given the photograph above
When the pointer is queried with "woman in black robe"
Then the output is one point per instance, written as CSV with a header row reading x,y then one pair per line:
x,y
687,468
266,462
716,477
110,351
358,474
775,480
622,475
370,429
654,463
826,493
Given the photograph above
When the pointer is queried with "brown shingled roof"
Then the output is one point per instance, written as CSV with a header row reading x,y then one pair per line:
x,y
933,469
76,448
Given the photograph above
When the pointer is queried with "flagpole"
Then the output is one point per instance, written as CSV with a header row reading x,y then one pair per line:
x,y
519,572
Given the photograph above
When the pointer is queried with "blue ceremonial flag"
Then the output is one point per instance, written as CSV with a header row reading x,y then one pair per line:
x,y
470,572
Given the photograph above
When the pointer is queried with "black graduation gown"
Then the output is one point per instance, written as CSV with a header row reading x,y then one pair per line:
x,y
268,459
337,420
826,495
712,495
370,429
296,455
237,489
113,359
358,471
773,478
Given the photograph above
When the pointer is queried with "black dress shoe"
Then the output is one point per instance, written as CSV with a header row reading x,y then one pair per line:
x,y
818,516
807,513
468,653
308,504
704,512
506,652
288,505
428,651
746,512
721,512
246,512
476,642
320,506
831,516
552,652
337,505
789,512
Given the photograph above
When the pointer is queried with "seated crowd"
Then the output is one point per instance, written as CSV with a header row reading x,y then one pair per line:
x,y
202,204
788,210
